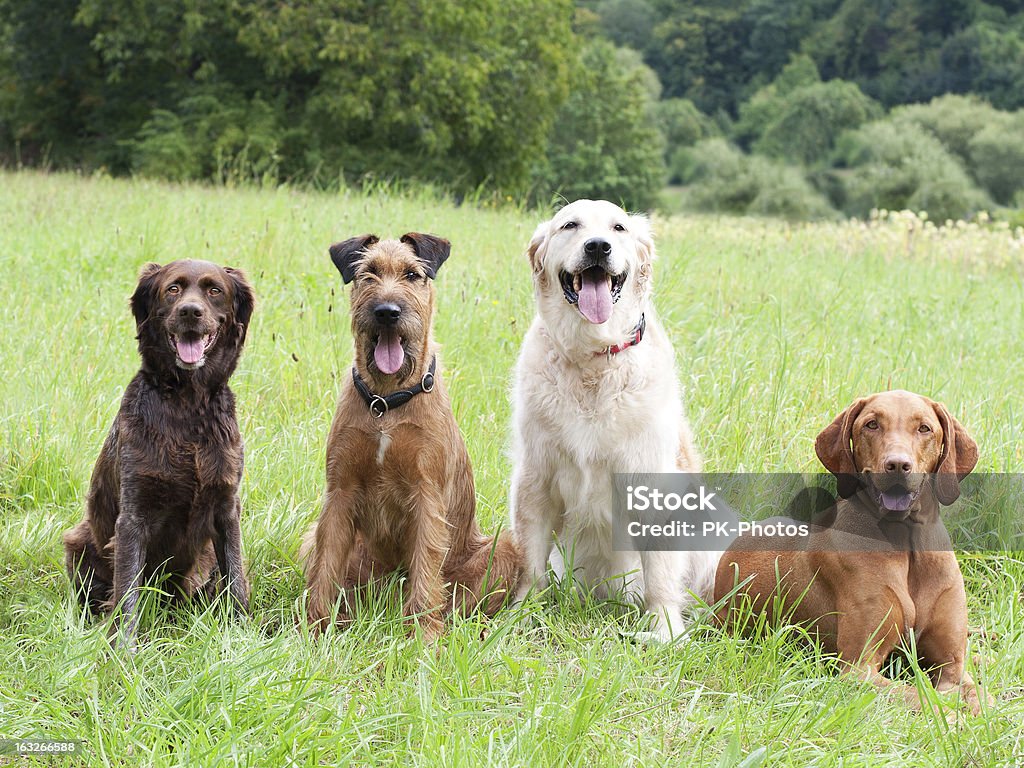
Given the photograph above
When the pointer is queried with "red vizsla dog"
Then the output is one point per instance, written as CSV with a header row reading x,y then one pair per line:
x,y
879,564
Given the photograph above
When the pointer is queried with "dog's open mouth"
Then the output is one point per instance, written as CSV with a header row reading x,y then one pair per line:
x,y
593,291
896,497
388,353
190,349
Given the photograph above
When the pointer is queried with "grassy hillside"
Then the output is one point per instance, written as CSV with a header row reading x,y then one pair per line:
x,y
776,329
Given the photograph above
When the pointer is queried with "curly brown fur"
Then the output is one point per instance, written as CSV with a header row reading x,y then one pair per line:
x,y
164,491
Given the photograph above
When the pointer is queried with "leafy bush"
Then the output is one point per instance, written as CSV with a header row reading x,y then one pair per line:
x,y
997,157
682,123
810,117
163,148
722,179
953,119
214,134
896,166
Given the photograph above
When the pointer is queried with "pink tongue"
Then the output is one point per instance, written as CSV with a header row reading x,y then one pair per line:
x,y
388,354
190,351
896,502
595,296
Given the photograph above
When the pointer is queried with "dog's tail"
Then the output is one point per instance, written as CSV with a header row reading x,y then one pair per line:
x,y
488,577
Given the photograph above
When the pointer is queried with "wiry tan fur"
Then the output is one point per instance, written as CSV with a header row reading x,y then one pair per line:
x,y
400,491
579,416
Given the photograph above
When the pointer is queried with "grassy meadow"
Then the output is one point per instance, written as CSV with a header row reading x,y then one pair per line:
x,y
776,329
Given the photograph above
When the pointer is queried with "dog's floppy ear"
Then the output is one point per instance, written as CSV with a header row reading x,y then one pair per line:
x,y
432,250
245,299
640,228
834,449
958,458
538,247
144,296
346,253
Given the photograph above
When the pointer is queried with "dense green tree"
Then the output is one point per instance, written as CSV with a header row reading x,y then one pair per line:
x,y
695,51
986,58
952,119
767,104
49,74
443,89
459,92
987,141
810,118
627,23
682,123
777,29
605,141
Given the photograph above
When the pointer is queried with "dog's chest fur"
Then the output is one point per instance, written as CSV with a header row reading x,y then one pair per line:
x,y
388,465
192,451
616,415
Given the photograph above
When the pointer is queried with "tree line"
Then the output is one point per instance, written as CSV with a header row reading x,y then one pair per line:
x,y
801,108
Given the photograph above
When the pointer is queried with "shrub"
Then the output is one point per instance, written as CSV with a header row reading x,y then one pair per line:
x,y
997,157
212,134
899,166
952,119
164,149
683,124
722,179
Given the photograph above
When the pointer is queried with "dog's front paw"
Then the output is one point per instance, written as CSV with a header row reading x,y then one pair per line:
x,y
431,630
122,640
667,625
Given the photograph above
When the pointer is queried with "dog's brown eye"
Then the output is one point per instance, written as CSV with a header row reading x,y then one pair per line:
x,y
412,275
214,290
174,289
619,228
871,425
570,225
924,429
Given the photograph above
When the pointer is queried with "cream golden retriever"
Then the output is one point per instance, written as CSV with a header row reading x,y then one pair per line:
x,y
596,394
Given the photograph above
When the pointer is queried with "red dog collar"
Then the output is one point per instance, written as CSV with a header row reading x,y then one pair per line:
x,y
632,341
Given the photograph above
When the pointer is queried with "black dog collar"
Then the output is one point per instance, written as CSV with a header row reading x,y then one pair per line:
x,y
381,404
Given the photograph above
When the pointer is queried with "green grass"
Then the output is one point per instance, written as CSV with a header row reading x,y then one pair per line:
x,y
776,329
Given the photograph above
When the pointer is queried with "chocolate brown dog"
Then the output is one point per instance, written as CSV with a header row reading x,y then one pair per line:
x,y
879,564
400,488
164,491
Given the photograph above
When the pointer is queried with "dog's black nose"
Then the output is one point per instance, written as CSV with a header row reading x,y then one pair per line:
x,y
190,310
597,246
387,313
898,463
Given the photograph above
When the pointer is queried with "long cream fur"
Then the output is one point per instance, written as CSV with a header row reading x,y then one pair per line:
x,y
580,416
